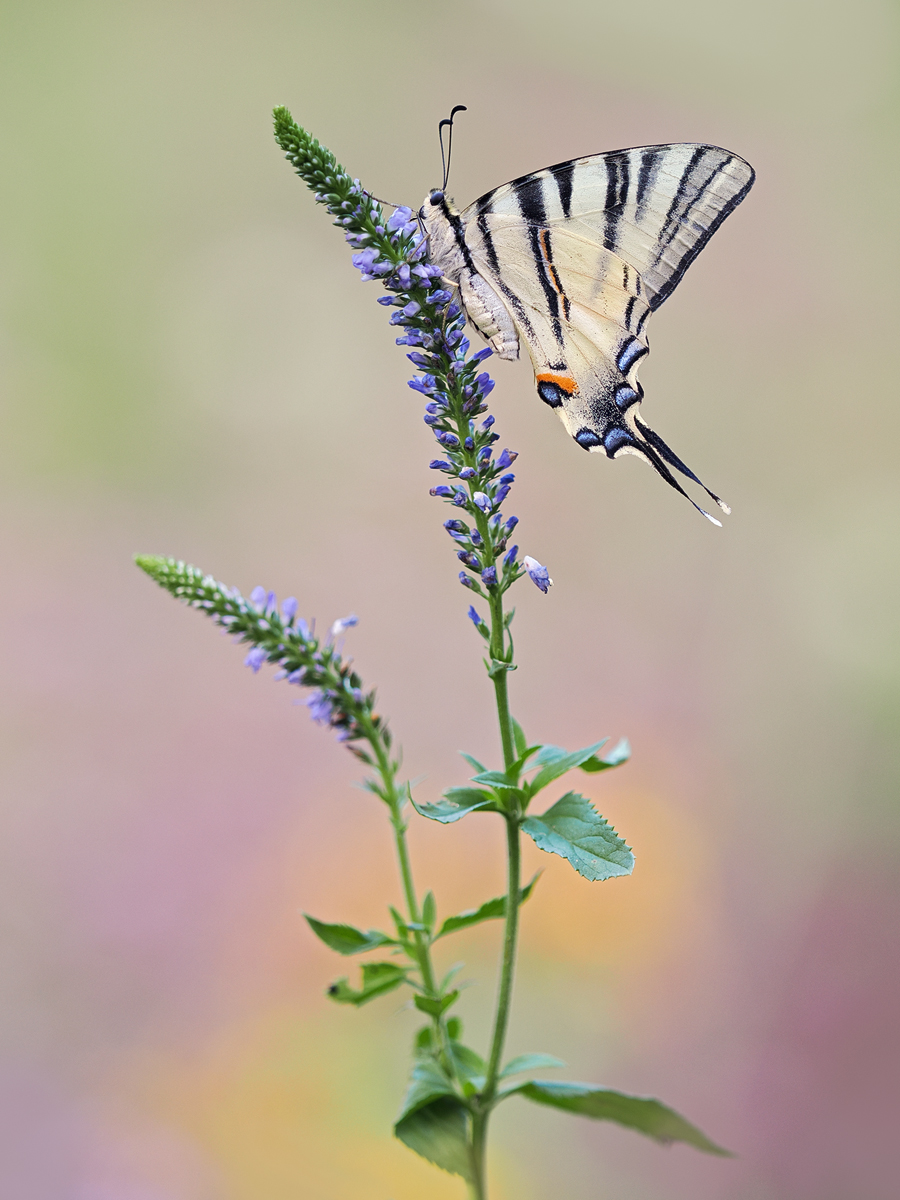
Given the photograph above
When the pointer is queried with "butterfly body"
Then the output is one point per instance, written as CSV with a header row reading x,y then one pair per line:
x,y
572,261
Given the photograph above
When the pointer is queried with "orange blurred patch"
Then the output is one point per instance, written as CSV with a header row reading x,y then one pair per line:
x,y
632,921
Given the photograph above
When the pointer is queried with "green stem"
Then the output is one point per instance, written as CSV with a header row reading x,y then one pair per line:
x,y
486,1100
423,947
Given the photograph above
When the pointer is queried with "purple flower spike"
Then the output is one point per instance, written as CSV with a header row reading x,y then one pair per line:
x,y
258,597
289,608
255,658
539,575
473,616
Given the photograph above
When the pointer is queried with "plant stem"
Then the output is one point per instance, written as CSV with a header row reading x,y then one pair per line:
x,y
422,944
504,994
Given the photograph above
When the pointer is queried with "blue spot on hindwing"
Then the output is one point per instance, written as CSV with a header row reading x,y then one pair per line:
x,y
631,351
550,393
587,439
626,396
616,438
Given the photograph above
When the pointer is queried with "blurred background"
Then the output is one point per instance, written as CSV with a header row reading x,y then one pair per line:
x,y
190,366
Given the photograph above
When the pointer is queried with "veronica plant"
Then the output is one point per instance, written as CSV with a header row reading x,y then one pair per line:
x,y
454,1088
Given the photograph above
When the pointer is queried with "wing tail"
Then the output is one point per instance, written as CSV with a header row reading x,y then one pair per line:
x,y
654,440
648,452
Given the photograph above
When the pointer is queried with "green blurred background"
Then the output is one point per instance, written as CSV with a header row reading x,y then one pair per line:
x,y
191,367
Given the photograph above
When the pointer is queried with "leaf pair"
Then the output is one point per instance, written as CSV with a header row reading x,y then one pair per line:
x,y
501,789
435,1121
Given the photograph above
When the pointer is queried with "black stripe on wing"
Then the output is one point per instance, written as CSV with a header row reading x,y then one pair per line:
x,y
706,168
617,184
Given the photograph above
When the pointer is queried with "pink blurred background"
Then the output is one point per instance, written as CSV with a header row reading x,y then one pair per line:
x,y
191,367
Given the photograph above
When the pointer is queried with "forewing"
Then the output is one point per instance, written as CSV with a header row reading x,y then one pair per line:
x,y
656,207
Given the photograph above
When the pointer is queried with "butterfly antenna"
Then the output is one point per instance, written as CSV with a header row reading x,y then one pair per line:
x,y
445,159
672,458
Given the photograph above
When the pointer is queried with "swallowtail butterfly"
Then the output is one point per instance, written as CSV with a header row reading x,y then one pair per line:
x,y
572,261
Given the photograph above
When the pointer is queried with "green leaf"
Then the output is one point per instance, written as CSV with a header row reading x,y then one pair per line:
x,y
377,980
497,779
429,911
519,737
636,1112
434,1121
529,1062
455,804
620,753
489,911
450,976
469,1063
574,829
519,765
435,1008
555,761
347,939
473,762
400,924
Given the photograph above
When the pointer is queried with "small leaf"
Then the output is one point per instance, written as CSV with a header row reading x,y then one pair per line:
x,y
347,939
435,1007
434,1121
636,1112
377,980
423,1043
455,804
470,1067
473,762
519,737
554,761
529,1062
429,911
497,779
489,911
620,753
574,830
518,766
450,976
400,925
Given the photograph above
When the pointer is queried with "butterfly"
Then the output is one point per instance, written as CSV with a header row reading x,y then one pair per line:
x,y
572,261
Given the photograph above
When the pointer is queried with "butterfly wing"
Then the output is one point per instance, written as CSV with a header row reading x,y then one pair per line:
x,y
581,254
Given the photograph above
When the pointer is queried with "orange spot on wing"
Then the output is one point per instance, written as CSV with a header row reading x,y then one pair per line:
x,y
563,382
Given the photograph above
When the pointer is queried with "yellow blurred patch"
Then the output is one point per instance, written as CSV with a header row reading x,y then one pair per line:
x,y
296,1107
